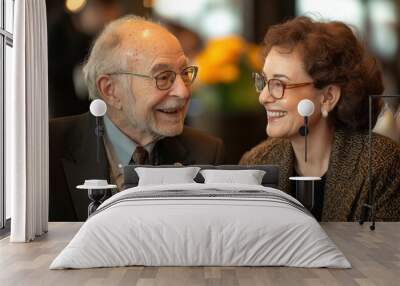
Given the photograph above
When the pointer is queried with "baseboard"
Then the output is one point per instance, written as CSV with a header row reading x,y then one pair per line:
x,y
5,231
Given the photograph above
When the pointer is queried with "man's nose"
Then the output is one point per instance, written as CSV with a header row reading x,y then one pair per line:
x,y
180,89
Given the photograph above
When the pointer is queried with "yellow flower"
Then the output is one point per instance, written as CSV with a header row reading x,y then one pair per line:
x,y
225,50
254,57
208,72
219,61
229,73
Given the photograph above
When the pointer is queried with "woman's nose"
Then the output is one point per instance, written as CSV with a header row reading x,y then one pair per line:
x,y
265,97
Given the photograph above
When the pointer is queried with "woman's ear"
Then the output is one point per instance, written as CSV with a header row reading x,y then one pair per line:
x,y
330,97
107,89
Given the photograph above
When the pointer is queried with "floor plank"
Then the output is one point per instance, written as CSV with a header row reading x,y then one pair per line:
x,y
374,255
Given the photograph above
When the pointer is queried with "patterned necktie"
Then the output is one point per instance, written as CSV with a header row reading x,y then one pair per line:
x,y
140,156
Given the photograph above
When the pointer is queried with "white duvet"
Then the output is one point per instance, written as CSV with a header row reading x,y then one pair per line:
x,y
181,230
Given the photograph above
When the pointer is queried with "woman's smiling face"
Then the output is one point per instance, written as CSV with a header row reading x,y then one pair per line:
x,y
283,118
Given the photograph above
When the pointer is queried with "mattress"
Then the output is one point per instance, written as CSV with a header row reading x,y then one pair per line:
x,y
201,225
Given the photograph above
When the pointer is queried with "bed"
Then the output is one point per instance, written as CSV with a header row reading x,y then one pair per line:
x,y
201,224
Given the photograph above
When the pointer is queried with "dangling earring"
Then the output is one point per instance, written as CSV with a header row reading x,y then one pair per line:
x,y
324,113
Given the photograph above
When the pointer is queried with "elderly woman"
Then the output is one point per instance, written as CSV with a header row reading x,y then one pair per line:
x,y
325,63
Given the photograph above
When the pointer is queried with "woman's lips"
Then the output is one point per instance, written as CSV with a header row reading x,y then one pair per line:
x,y
275,115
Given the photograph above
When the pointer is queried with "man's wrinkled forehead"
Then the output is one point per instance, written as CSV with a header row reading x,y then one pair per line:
x,y
146,46
167,62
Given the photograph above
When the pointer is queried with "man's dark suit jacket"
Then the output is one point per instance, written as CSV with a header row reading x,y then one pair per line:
x,y
73,159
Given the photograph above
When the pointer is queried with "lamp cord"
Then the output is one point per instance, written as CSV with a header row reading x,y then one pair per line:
x,y
305,137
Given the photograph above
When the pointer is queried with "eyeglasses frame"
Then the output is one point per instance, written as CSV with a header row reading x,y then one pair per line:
x,y
196,69
285,85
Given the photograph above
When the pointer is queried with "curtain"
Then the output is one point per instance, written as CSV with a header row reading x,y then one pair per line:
x,y
26,120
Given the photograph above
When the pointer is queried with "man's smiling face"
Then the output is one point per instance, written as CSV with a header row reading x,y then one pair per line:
x,y
144,105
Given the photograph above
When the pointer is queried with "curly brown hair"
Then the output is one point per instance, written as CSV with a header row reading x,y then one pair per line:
x,y
333,55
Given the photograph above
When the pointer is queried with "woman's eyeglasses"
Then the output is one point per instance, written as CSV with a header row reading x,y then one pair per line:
x,y
276,87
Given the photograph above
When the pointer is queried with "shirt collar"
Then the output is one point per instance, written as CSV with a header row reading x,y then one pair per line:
x,y
123,147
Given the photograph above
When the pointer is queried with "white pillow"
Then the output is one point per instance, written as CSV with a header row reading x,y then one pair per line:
x,y
248,177
163,176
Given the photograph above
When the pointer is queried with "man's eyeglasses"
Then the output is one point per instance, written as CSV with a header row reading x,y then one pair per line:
x,y
166,79
276,87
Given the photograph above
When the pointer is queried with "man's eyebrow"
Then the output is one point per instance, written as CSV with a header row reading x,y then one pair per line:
x,y
183,66
163,66
185,63
159,67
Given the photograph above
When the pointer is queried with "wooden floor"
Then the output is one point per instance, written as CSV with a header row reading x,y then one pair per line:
x,y
375,257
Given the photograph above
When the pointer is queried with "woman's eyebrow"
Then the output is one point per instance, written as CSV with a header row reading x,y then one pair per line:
x,y
277,75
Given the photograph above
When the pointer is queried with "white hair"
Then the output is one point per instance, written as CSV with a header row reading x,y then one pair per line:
x,y
105,55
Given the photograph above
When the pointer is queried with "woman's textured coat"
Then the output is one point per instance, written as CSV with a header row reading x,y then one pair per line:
x,y
346,187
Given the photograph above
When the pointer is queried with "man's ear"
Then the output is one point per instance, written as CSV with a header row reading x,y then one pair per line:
x,y
330,97
107,89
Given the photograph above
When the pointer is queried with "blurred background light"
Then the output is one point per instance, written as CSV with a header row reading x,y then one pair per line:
x,y
219,23
383,27
74,6
348,11
148,3
181,9
209,18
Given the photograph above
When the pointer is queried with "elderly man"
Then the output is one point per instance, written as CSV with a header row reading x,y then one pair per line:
x,y
139,69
